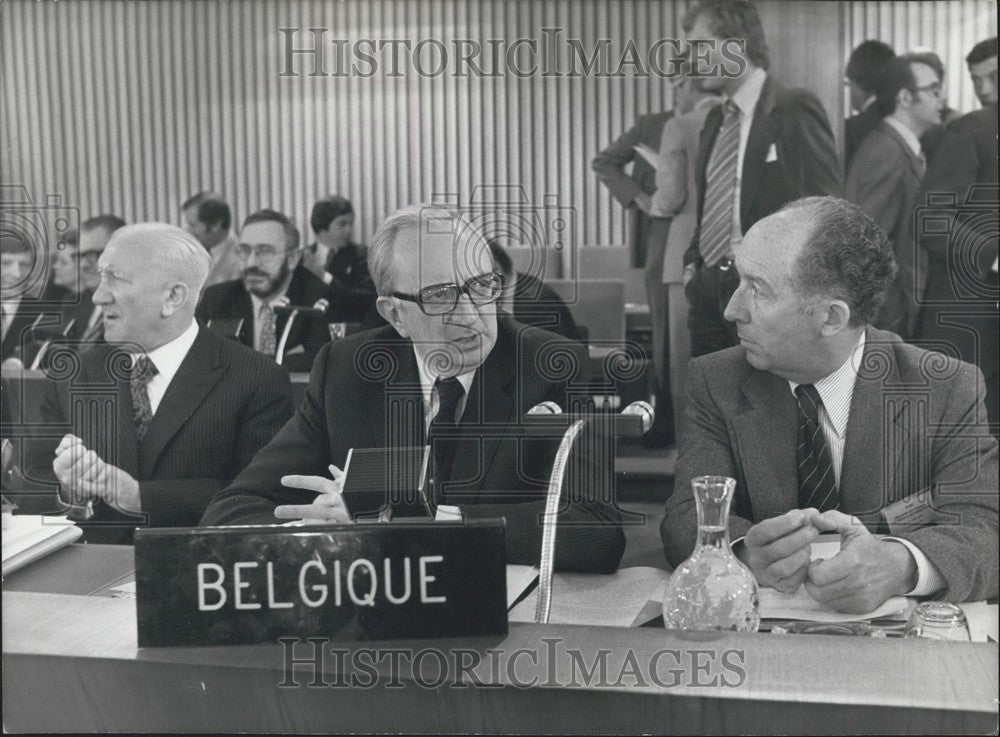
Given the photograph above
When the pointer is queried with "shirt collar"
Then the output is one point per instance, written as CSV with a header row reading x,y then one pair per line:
x,y
868,103
169,356
748,94
909,136
427,379
837,389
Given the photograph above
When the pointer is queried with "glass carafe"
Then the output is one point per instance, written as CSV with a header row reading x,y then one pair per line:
x,y
712,589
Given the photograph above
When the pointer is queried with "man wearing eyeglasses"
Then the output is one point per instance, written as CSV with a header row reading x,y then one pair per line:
x,y
445,372
884,177
272,278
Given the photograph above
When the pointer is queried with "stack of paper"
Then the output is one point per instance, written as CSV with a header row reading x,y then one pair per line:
x,y
31,536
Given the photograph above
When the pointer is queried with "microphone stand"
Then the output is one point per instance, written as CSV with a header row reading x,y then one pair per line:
x,y
635,420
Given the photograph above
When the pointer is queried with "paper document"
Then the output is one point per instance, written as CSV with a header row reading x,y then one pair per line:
x,y
983,621
616,600
775,605
31,536
519,578
652,157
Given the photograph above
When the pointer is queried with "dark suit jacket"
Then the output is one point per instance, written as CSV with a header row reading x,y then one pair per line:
x,y
959,311
884,179
224,403
795,123
352,292
610,167
856,129
364,392
230,300
17,340
912,429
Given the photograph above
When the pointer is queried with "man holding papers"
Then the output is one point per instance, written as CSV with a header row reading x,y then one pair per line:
x,y
829,425
445,372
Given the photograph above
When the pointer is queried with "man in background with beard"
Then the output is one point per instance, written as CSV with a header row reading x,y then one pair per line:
x,y
271,278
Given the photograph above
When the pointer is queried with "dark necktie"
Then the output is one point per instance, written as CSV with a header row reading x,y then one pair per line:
x,y
442,433
817,483
143,371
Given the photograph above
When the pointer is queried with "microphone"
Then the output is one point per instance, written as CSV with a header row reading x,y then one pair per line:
x,y
644,411
633,422
545,408
298,309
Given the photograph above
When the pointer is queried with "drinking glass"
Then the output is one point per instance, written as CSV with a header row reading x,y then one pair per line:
x,y
938,620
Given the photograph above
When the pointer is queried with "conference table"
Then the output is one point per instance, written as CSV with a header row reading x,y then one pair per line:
x,y
71,663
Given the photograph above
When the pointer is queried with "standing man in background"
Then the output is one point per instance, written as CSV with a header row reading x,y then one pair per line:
x,y
208,218
982,61
766,145
647,238
862,75
884,178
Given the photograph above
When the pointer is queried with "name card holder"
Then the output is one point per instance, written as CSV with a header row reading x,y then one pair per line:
x,y
240,585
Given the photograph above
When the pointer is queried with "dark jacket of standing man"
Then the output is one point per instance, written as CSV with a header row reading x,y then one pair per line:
x,y
864,71
150,447
784,140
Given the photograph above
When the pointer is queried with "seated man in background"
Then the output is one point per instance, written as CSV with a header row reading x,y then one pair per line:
x,y
339,262
829,425
186,410
272,278
95,233
447,373
530,300
208,218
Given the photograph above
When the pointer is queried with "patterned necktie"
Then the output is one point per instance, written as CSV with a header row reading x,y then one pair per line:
x,y
817,483
441,435
143,371
720,185
268,333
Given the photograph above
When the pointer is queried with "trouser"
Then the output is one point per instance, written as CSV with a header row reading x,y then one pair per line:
x,y
708,293
679,340
656,294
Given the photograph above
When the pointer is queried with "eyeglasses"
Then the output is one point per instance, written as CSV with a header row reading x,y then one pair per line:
x,y
265,254
440,299
934,88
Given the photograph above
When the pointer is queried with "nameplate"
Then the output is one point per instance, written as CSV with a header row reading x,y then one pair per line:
x,y
239,585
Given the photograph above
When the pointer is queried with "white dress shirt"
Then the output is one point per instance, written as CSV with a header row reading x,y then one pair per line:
x,y
167,359
836,391
745,99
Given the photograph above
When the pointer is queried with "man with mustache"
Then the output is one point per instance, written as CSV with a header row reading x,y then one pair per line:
x,y
272,277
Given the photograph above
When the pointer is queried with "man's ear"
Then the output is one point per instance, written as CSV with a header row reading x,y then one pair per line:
x,y
176,298
389,311
904,98
837,318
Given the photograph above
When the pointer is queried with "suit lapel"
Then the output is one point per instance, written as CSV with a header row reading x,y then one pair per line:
x,y
866,481
767,434
763,132
400,423
195,377
915,164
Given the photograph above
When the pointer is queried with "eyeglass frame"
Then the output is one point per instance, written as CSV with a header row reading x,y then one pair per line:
x,y
272,259
459,291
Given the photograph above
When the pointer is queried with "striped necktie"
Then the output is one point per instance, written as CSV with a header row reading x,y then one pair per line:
x,y
817,482
720,185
